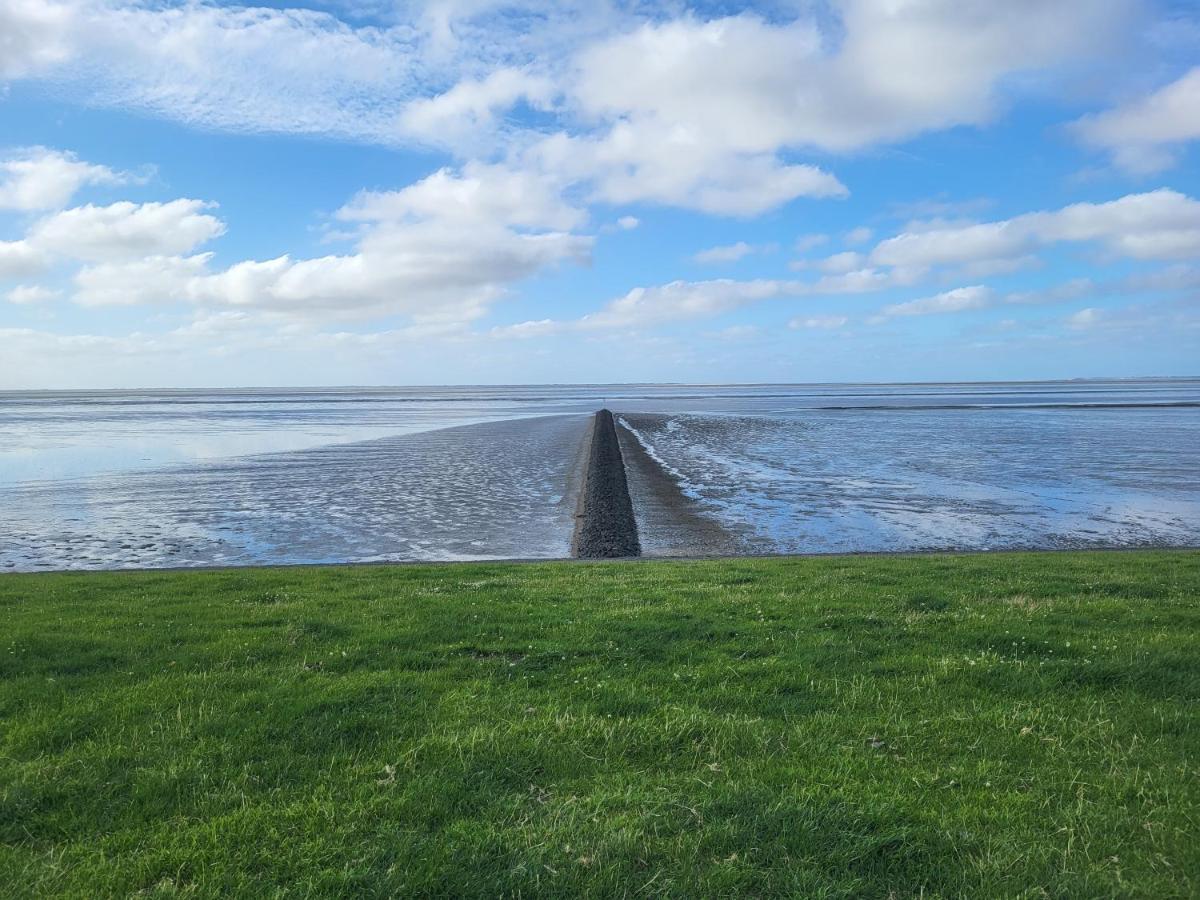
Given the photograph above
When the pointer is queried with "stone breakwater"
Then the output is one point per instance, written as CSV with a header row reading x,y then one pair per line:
x,y
605,526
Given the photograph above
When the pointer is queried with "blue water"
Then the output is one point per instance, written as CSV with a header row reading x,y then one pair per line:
x,y
93,479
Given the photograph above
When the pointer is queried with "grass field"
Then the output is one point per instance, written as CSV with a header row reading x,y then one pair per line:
x,y
1014,725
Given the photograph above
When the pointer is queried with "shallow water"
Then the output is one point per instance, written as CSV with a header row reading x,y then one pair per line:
x,y
813,481
182,478
496,490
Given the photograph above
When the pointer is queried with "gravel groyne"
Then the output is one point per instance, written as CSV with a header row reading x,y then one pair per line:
x,y
605,527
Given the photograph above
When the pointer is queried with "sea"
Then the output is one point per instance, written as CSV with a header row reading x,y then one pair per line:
x,y
182,478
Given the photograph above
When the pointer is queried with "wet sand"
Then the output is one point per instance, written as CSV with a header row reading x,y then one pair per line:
x,y
497,490
771,472
669,522
811,481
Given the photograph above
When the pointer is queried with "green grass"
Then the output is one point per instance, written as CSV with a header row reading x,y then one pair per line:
x,y
1016,725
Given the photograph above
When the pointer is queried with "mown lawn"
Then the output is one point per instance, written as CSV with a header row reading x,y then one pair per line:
x,y
1010,725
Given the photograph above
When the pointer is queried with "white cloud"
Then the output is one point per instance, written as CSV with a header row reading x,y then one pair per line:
x,y
152,279
726,253
468,110
808,242
957,300
1085,318
900,68
628,223
1162,224
841,262
20,258
958,245
865,280
38,178
480,195
522,330
1145,134
887,69
650,105
126,230
439,251
818,322
1071,290
28,294
32,36
858,235
738,333
688,101
238,68
636,163
682,300
1179,277
430,272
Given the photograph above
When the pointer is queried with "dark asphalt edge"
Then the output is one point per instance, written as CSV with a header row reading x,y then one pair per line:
x,y
605,527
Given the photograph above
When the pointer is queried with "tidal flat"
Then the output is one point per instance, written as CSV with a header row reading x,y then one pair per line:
x,y
137,479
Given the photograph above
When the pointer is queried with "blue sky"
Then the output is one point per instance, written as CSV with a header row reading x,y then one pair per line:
x,y
466,191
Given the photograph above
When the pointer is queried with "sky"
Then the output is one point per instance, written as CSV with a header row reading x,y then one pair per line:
x,y
363,192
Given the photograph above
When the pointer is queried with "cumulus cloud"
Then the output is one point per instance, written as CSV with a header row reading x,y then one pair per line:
x,y
20,258
634,163
1071,290
726,253
438,251
818,322
1162,224
429,271
39,178
957,300
126,230
33,36
28,294
900,68
1145,134
683,300
530,329
152,279
480,194
647,105
838,263
687,97
469,110
1085,318
866,280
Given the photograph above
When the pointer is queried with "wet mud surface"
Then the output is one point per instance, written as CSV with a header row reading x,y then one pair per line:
x,y
826,481
669,522
93,480
495,490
